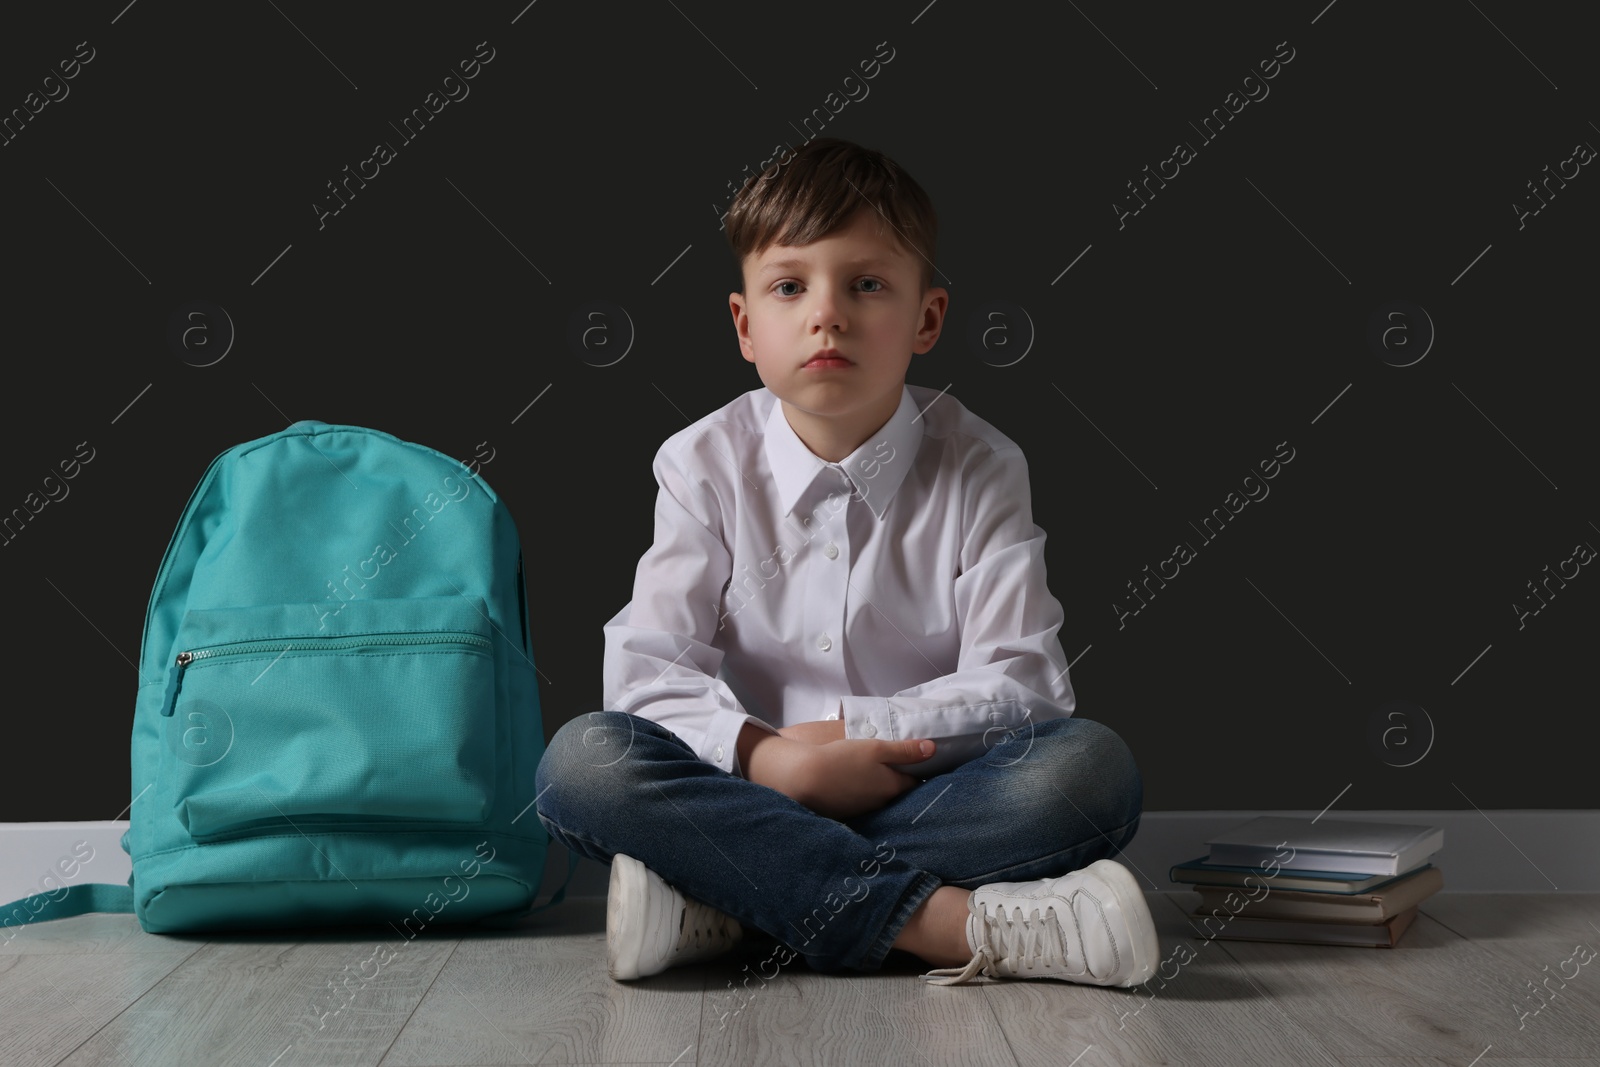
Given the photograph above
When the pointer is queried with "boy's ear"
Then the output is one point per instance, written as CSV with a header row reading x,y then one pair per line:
x,y
935,302
741,325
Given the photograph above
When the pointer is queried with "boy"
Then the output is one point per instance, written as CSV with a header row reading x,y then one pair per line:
x,y
839,709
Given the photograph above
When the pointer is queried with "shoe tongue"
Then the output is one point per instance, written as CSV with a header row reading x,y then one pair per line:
x,y
704,923
1093,944
685,928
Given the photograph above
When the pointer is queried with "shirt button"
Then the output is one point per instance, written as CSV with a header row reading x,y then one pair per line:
x,y
869,730
824,642
830,550
717,753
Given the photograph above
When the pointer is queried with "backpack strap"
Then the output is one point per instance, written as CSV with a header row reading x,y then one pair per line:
x,y
80,899
118,899
561,893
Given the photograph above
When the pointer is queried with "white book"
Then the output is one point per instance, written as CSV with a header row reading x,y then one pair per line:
x,y
1328,844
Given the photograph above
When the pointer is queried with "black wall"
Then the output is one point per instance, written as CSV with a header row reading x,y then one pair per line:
x,y
1230,320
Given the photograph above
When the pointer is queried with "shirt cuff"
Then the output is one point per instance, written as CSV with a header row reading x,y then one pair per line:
x,y
720,746
867,717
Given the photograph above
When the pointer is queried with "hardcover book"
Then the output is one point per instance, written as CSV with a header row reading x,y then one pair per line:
x,y
1327,844
1198,872
1370,907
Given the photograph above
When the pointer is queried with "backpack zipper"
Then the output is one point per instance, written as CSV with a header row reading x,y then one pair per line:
x,y
186,659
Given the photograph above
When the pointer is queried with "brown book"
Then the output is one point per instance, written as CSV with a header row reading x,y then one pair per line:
x,y
1376,935
1373,906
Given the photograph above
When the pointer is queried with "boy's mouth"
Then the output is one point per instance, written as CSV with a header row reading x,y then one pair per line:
x,y
825,358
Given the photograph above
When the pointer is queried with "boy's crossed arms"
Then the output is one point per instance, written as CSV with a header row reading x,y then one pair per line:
x,y
833,775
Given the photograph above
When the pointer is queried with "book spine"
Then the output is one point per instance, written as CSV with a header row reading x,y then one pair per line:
x,y
1305,911
1359,864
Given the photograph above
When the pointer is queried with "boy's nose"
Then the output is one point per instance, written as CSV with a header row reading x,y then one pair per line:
x,y
827,313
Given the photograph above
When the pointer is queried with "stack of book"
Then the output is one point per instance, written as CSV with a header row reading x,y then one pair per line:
x,y
1319,881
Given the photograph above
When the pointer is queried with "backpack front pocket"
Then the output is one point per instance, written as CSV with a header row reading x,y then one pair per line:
x,y
280,719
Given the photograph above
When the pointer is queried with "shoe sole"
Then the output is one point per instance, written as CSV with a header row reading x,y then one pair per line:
x,y
1144,944
626,900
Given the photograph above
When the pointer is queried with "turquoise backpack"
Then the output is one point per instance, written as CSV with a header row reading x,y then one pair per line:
x,y
338,717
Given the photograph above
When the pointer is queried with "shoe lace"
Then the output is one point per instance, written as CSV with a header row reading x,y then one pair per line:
x,y
1027,943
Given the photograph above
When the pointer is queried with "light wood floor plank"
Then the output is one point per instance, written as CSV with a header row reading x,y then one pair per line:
x,y
1434,994
1512,917
540,994
264,999
1489,1060
98,991
91,934
1200,1011
1539,938
52,1003
805,1018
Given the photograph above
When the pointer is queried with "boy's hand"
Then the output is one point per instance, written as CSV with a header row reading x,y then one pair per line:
x,y
854,776
840,779
819,732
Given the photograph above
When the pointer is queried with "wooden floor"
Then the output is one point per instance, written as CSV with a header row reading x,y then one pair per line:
x,y
1457,991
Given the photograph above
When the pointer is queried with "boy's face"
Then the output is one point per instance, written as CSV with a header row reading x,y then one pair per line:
x,y
852,291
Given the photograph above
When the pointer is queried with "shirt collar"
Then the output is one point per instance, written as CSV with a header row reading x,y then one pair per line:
x,y
875,469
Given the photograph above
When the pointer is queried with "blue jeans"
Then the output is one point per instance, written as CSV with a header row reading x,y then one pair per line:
x,y
1046,800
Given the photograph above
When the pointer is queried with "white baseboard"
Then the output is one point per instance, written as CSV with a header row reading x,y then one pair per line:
x,y
1531,850
32,853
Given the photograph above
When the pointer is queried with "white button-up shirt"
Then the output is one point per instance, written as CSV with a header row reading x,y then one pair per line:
x,y
902,588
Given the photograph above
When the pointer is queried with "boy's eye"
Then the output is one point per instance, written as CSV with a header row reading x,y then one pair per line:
x,y
777,286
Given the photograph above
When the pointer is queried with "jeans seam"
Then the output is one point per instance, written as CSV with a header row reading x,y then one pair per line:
x,y
568,838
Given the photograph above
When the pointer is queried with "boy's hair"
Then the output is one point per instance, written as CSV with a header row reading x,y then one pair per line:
x,y
817,191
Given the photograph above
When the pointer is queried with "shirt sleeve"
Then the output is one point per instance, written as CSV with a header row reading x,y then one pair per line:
x,y
659,659
1011,671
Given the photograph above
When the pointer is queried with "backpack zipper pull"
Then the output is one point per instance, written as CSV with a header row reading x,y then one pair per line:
x,y
174,683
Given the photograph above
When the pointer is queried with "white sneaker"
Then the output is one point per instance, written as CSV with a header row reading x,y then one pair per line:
x,y
650,926
1091,926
